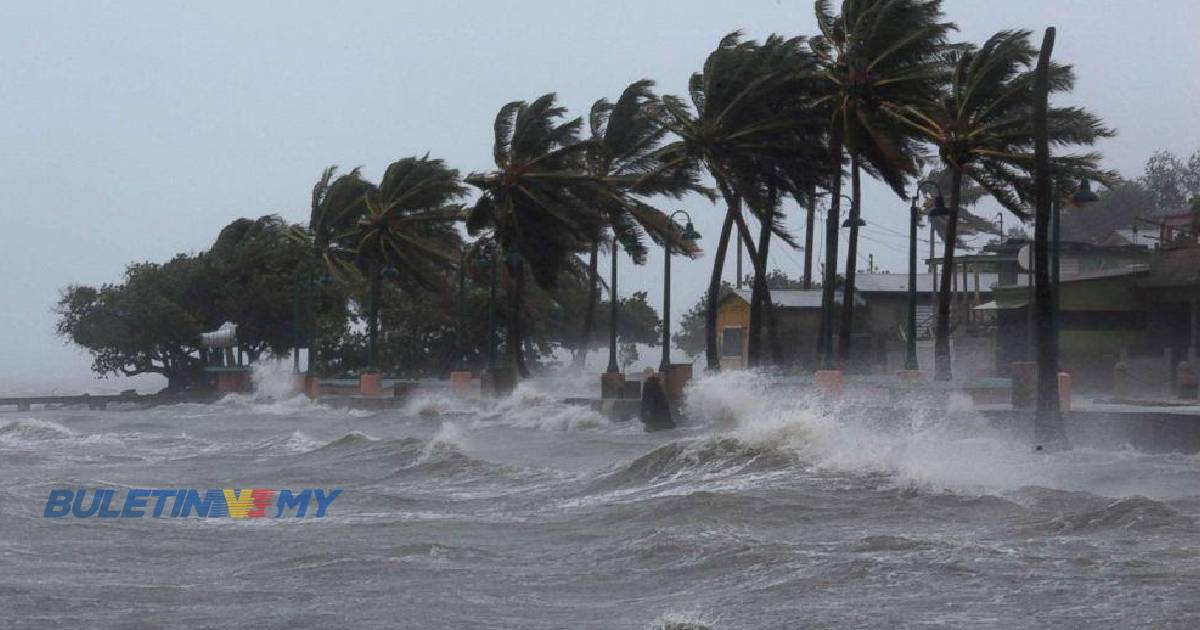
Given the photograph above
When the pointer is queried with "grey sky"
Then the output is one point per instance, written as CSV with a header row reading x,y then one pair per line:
x,y
134,130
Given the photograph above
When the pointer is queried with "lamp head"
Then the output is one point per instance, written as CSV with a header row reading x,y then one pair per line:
x,y
1084,195
391,273
690,233
939,207
854,222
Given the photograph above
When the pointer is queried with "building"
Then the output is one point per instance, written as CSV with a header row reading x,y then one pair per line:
x,y
798,314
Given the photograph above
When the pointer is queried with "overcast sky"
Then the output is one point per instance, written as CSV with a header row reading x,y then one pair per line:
x,y
135,130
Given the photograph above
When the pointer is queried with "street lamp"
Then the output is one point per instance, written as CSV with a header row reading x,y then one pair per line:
x,y
689,234
1081,197
854,220
914,221
626,239
1000,220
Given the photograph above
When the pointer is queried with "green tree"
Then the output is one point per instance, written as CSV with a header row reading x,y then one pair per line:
x,y
622,152
148,324
408,229
536,203
748,126
981,126
257,262
873,55
1171,181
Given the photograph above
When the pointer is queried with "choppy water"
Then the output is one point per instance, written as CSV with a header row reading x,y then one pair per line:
x,y
766,512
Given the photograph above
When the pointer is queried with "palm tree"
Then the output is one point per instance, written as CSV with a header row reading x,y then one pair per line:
x,y
338,202
981,126
407,231
621,151
747,126
873,54
536,202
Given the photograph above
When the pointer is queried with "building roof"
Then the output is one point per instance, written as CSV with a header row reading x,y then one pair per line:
x,y
795,298
898,282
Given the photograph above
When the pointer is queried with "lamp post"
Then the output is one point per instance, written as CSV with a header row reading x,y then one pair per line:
x,y
628,241
1000,221
689,234
612,313
914,221
1081,197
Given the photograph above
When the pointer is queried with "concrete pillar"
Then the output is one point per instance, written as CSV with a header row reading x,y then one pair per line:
x,y
462,383
1121,381
1064,391
370,384
829,382
679,375
611,384
1186,381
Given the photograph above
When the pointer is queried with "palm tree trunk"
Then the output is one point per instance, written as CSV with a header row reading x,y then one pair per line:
x,y
941,342
759,265
513,330
714,290
1048,425
589,313
373,316
757,297
825,342
847,328
762,294
808,236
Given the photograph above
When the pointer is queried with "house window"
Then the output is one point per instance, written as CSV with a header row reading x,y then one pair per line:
x,y
731,342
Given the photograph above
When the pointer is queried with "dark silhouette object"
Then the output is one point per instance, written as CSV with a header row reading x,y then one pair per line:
x,y
656,409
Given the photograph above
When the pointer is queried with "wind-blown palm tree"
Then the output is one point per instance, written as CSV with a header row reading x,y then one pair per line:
x,y
873,53
338,202
622,152
408,231
536,202
748,129
981,126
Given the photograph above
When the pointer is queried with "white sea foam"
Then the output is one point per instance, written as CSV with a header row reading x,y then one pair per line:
x,y
534,405
946,448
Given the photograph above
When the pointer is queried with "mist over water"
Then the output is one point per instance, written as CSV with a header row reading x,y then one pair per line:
x,y
768,509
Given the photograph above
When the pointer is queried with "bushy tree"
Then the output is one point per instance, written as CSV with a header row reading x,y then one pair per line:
x,y
150,323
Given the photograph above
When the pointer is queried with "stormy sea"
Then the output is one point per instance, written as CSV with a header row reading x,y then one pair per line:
x,y
766,510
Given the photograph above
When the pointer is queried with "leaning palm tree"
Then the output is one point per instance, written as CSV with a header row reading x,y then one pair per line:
x,y
407,232
536,201
981,126
338,202
622,151
873,53
747,129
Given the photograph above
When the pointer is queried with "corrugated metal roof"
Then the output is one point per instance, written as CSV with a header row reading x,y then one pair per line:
x,y
796,298
898,282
